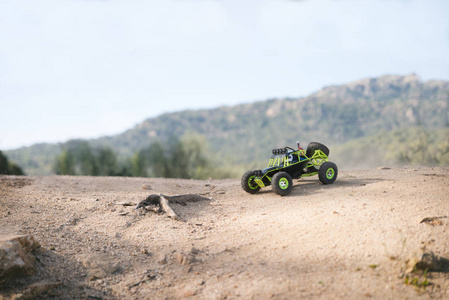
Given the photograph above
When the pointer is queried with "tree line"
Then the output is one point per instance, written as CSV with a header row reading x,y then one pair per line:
x,y
189,156
185,157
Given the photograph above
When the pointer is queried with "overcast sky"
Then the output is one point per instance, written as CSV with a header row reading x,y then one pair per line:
x,y
87,68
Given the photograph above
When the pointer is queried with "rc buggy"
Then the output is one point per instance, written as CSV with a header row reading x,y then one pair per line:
x,y
287,164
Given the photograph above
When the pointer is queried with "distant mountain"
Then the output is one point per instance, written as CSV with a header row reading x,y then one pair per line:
x,y
246,133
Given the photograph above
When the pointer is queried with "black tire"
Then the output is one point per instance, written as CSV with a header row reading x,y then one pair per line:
x,y
248,183
313,146
282,183
328,172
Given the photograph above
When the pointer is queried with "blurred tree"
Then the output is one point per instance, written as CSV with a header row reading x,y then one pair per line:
x,y
9,168
177,165
178,158
3,164
139,165
106,162
80,159
186,157
85,159
196,149
157,160
65,163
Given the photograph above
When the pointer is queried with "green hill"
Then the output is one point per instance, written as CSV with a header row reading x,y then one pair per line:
x,y
367,111
406,146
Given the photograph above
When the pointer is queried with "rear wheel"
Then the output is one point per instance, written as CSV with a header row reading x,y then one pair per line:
x,y
282,183
248,183
313,146
328,172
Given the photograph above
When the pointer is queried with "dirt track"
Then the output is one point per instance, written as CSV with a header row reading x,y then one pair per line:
x,y
348,240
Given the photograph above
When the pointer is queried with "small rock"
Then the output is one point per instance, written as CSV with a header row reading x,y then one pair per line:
x,y
194,251
144,251
162,259
185,259
17,256
180,258
427,260
433,263
73,221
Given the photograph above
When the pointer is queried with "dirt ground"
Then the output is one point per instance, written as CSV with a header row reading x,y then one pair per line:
x,y
348,240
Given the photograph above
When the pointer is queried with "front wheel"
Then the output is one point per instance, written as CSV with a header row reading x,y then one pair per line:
x,y
328,172
248,183
282,183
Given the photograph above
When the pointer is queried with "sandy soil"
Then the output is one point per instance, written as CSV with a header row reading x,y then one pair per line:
x,y
348,240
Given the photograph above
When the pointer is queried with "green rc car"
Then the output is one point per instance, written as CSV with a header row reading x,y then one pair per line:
x,y
287,164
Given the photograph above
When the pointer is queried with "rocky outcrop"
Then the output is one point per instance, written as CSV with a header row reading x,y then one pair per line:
x,y
17,256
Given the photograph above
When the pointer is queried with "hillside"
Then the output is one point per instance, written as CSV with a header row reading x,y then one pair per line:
x,y
246,133
358,238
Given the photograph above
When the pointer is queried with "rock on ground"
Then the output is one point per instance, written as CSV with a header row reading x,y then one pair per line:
x,y
17,257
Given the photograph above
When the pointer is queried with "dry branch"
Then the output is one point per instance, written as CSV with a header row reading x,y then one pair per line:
x,y
167,208
182,199
161,203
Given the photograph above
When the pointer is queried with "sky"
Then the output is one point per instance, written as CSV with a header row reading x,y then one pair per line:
x,y
88,68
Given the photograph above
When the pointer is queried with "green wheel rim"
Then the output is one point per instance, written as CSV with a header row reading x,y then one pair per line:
x,y
283,183
252,185
330,173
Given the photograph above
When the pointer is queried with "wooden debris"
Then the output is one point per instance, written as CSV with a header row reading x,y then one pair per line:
x,y
434,221
161,203
167,208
